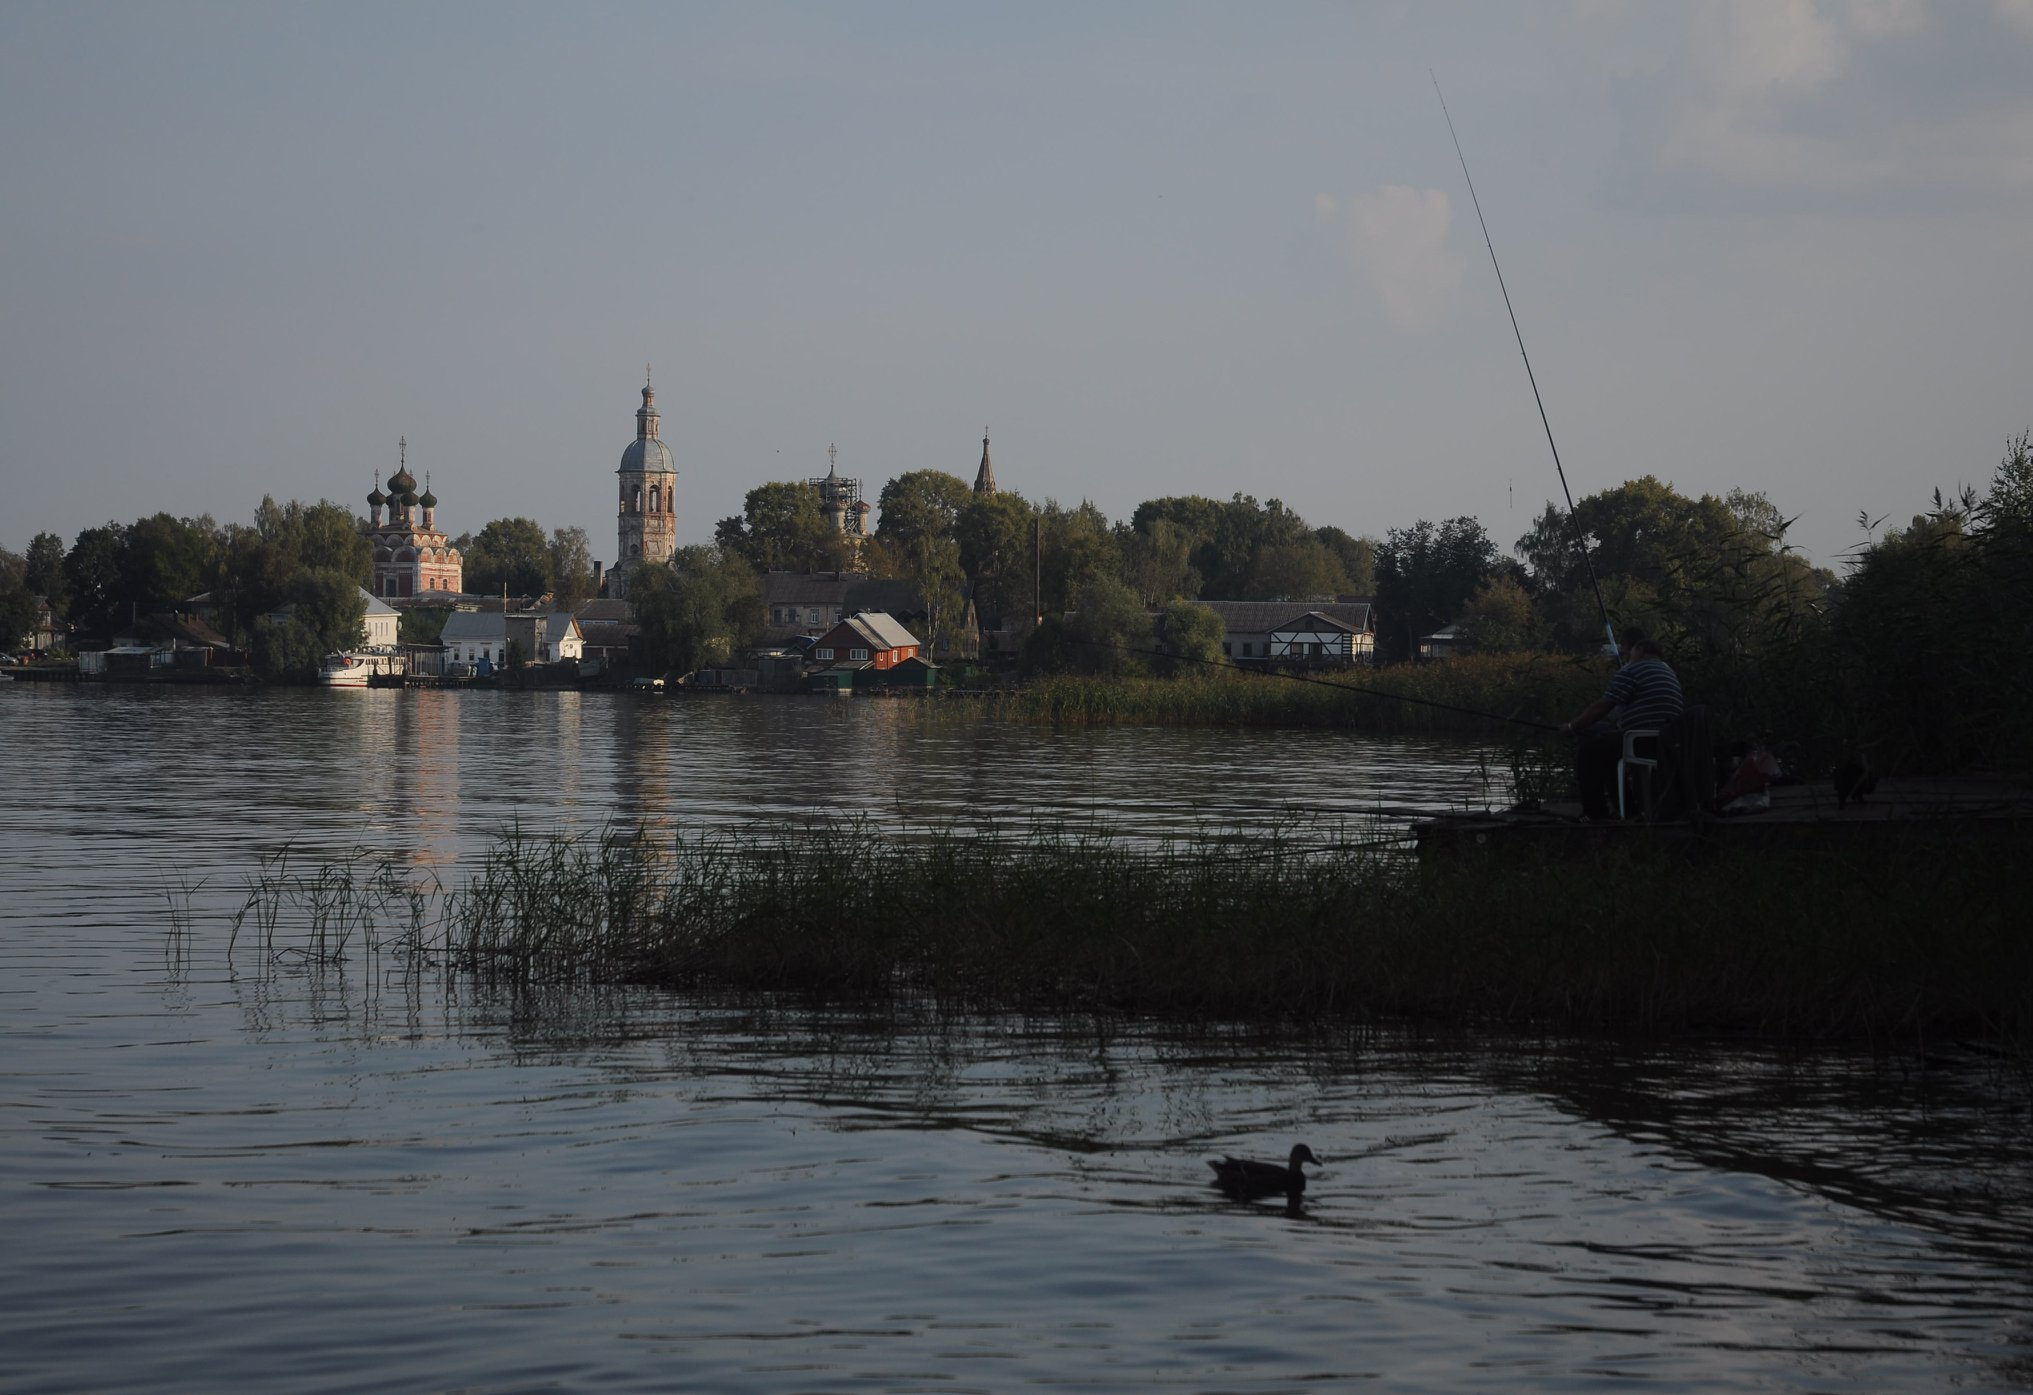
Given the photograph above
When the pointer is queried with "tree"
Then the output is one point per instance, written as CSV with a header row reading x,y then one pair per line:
x,y
43,571
327,614
917,541
781,529
92,574
1498,618
1110,627
700,611
329,604
1189,636
1714,579
1227,539
921,504
1078,548
1158,561
17,601
571,567
995,535
324,536
1425,575
510,552
1358,558
166,560
1297,570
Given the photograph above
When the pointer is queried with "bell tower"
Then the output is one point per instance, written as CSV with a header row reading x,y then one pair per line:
x,y
646,530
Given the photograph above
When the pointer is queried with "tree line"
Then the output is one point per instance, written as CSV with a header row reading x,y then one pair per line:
x,y
1919,650
308,559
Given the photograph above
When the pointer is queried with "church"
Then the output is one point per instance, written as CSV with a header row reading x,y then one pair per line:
x,y
647,533
411,557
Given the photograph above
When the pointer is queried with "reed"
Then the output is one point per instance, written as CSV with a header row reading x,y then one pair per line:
x,y
1469,695
1261,928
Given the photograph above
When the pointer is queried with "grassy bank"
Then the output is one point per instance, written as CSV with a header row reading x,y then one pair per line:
x,y
1404,698
1860,946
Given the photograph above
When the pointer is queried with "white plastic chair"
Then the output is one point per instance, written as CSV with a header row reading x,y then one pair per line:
x,y
1643,765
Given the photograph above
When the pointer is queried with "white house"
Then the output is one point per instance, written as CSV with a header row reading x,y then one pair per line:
x,y
1321,632
472,635
1317,638
382,622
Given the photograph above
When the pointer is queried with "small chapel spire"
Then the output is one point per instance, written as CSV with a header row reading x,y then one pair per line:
x,y
984,478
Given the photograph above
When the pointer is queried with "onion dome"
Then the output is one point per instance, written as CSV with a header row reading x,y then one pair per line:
x,y
376,498
428,499
402,484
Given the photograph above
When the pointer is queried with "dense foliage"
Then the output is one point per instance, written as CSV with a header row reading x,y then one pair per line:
x,y
1918,655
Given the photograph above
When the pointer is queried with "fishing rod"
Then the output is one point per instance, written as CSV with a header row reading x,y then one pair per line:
x,y
1580,538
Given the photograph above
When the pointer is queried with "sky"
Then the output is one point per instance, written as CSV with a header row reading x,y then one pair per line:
x,y
1150,249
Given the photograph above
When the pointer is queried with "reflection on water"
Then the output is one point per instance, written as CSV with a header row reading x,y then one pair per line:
x,y
291,1175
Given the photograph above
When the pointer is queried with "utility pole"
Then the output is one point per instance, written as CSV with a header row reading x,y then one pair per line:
x,y
1037,572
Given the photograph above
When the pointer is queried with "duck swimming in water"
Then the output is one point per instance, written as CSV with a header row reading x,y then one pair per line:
x,y
1247,1177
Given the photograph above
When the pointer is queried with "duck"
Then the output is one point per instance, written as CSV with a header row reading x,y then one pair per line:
x,y
1247,1177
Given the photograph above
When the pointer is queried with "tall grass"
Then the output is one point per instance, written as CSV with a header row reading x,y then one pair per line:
x,y
1473,694
1652,940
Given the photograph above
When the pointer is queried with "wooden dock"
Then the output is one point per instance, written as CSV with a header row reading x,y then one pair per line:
x,y
1800,815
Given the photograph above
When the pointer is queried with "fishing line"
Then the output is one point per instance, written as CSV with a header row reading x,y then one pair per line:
x,y
1580,539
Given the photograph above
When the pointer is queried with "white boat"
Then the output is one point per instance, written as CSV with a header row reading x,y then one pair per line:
x,y
344,671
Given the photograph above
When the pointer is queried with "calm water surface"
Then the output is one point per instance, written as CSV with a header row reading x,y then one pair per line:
x,y
225,1171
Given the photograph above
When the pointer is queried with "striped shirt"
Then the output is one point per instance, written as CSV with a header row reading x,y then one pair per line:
x,y
1648,692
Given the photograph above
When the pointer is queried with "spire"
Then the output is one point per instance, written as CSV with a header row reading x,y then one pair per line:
x,y
984,478
647,420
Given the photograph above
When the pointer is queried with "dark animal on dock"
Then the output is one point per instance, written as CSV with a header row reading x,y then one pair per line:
x,y
1247,1177
1854,779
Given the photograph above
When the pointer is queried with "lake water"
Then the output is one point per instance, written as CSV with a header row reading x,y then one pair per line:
x,y
238,1172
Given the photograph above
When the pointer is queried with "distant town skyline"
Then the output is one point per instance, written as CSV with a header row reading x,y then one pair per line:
x,y
1162,249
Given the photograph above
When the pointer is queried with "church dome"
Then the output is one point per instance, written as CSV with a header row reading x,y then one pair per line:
x,y
376,499
647,454
428,499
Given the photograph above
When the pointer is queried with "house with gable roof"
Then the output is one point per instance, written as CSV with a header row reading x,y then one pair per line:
x,y
1304,632
866,639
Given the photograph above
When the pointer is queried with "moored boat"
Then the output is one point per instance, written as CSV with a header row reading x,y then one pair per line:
x,y
344,671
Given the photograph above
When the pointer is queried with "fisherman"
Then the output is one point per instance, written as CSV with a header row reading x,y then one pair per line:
x,y
1645,695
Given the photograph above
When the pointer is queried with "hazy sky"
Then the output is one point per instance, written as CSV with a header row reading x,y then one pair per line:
x,y
1153,248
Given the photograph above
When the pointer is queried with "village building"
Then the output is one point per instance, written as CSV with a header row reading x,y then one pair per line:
x,y
412,557
647,531
1306,632
866,639
804,605
868,649
606,630
1443,643
477,637
159,644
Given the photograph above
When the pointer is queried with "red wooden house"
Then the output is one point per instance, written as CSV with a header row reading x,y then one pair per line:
x,y
868,639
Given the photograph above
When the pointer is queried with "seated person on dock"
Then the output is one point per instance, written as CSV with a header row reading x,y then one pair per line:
x,y
1645,694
